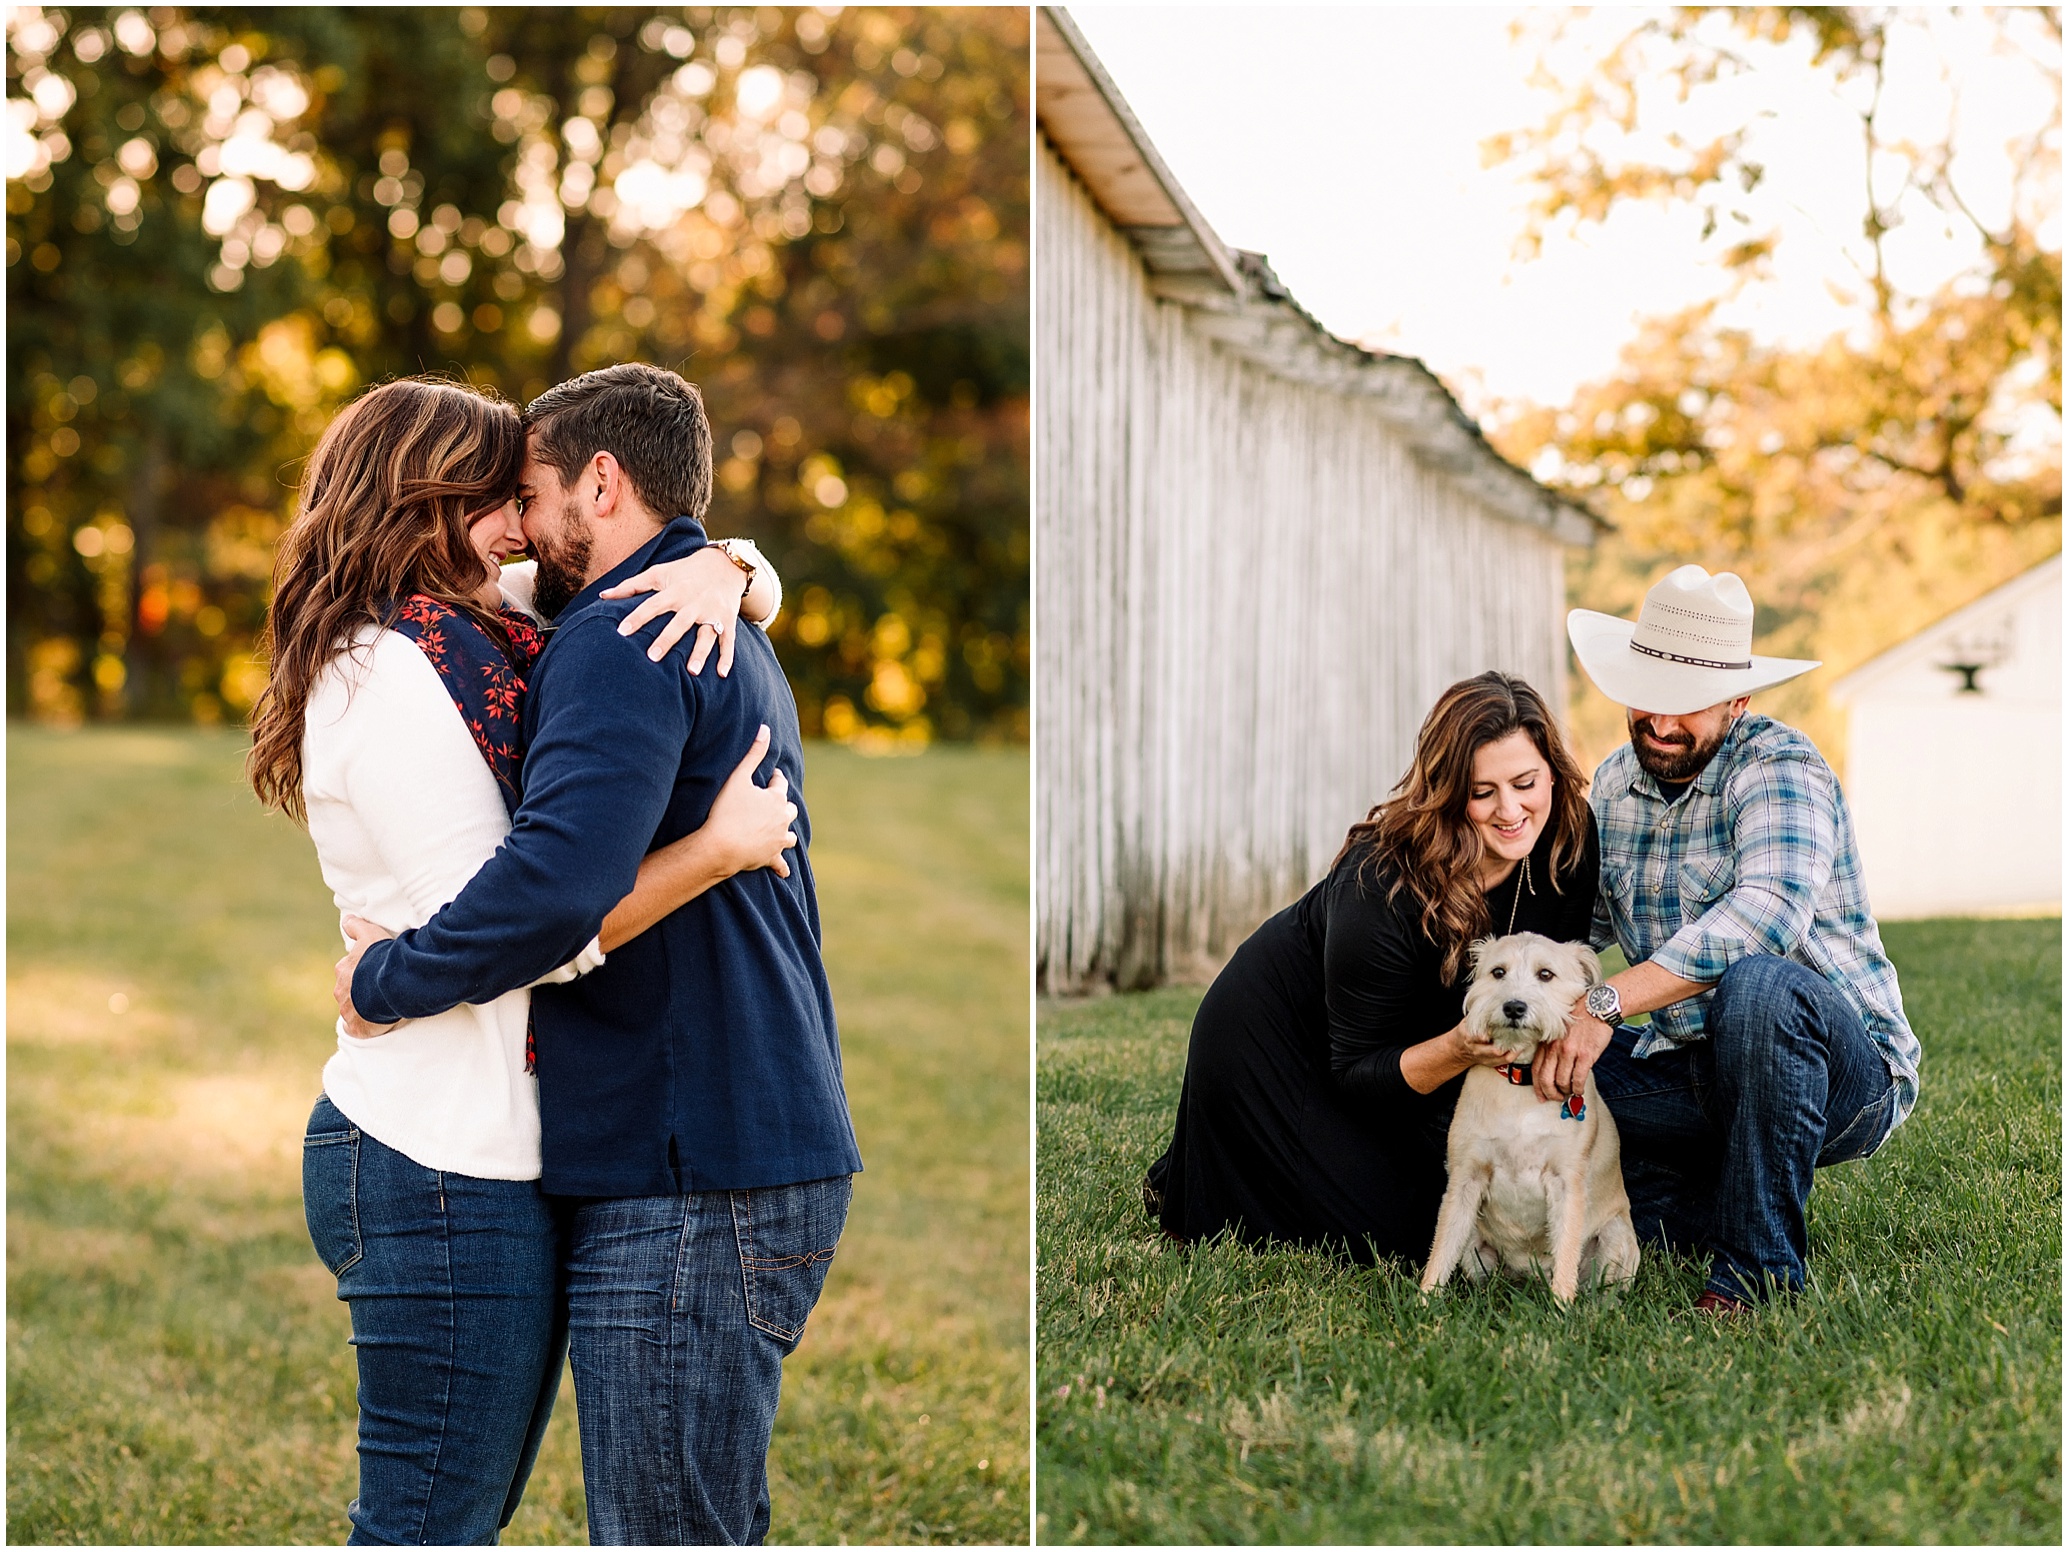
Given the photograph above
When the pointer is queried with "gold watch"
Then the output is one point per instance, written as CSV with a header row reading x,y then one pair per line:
x,y
726,547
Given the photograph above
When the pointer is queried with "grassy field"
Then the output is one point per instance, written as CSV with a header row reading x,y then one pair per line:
x,y
177,1367
1914,1395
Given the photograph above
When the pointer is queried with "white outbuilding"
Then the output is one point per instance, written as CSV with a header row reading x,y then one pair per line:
x,y
1953,758
1261,553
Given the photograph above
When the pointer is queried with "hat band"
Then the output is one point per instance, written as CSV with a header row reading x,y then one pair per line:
x,y
1692,662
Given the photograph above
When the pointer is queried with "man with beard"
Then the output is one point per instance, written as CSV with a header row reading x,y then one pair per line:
x,y
1730,879
695,1130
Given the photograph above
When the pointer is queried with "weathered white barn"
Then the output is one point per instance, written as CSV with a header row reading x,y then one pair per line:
x,y
1261,553
1953,758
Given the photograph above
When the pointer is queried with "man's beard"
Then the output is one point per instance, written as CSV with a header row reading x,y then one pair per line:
x,y
563,570
1684,762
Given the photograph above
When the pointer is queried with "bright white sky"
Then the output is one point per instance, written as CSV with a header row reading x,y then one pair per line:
x,y
1344,143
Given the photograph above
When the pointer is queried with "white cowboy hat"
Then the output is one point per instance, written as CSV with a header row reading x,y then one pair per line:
x,y
1690,647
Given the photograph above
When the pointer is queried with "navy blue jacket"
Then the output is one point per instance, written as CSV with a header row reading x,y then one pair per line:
x,y
703,1055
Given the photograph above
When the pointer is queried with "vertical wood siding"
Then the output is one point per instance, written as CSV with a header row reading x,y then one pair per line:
x,y
1248,596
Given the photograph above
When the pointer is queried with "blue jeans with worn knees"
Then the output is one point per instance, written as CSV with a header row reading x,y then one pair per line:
x,y
681,1310
454,1288
1722,1137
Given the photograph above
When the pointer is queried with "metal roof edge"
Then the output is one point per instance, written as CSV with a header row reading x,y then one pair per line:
x,y
1266,325
1219,262
1236,299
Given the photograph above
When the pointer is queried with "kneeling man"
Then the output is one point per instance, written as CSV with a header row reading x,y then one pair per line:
x,y
1731,881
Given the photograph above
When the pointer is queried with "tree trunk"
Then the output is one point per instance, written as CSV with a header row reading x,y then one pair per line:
x,y
580,261
147,688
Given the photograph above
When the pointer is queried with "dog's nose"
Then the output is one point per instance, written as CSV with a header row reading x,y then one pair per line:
x,y
1514,1009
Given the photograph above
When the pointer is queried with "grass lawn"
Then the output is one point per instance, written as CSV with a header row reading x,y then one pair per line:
x,y
177,1367
1913,1395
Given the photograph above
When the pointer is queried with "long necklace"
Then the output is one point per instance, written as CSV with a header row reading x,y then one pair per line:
x,y
1516,904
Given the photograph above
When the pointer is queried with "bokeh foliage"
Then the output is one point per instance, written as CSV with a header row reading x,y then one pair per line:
x,y
223,223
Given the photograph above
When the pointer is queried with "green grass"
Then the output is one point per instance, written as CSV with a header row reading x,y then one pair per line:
x,y
177,1367
1914,1394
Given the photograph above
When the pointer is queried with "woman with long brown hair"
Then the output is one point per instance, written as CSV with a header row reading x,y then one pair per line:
x,y
392,727
1327,1056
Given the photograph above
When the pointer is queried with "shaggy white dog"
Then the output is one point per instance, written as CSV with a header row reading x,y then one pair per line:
x,y
1535,1186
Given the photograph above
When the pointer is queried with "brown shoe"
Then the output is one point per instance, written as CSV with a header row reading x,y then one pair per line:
x,y
1720,1304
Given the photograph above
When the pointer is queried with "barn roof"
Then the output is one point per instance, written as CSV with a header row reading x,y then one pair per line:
x,y
1935,637
1236,299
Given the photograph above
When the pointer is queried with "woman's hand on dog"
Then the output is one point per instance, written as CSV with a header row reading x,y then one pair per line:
x,y
1470,1050
1435,1061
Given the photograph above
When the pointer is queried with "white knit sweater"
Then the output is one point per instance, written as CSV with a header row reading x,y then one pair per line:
x,y
404,811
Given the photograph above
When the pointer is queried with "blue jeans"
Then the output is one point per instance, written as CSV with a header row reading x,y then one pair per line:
x,y
454,1288
681,1310
1721,1138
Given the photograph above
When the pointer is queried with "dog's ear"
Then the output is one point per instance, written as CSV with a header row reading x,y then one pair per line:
x,y
1589,963
1478,951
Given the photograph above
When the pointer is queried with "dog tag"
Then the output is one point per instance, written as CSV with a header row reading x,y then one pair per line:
x,y
1574,1109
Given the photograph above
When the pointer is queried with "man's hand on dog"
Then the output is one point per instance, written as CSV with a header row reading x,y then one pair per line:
x,y
1562,1065
363,935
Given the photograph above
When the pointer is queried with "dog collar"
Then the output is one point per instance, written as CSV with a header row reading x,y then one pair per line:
x,y
1573,1108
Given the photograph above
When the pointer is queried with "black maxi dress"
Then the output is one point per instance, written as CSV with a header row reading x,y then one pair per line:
x,y
1295,1124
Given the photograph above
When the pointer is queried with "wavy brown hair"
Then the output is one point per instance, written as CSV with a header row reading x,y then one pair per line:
x,y
383,512
1420,835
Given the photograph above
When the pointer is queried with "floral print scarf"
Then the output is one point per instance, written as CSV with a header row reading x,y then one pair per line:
x,y
487,687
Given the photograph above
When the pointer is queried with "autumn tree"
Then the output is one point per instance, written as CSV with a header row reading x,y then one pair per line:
x,y
1864,486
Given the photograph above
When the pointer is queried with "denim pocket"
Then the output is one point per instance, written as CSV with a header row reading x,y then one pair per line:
x,y
1864,1134
786,1237
330,1187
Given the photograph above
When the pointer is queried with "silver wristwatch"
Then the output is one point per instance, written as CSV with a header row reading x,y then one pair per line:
x,y
1605,1003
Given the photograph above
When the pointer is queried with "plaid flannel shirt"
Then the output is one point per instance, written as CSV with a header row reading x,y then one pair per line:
x,y
1757,857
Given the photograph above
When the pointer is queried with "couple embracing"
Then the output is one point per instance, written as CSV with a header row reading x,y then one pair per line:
x,y
587,1097
1717,852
